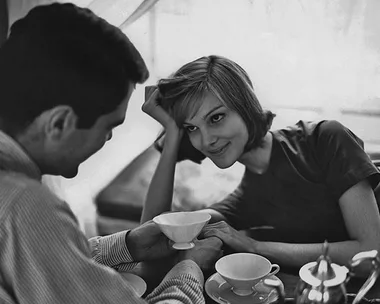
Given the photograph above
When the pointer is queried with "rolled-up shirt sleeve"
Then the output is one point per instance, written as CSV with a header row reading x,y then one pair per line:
x,y
183,284
112,251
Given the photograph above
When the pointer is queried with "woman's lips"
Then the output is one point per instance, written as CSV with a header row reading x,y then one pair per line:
x,y
220,151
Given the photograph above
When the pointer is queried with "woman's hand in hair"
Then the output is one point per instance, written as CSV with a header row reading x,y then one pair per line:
x,y
153,108
234,239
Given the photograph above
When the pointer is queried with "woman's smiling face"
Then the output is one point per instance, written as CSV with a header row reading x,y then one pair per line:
x,y
216,131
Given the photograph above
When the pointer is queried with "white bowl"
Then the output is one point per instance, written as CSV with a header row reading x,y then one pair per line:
x,y
136,282
244,270
182,227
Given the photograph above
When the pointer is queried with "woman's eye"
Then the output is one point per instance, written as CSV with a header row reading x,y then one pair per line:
x,y
190,129
216,118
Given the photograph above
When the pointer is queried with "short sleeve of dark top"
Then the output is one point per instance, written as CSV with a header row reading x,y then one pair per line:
x,y
312,164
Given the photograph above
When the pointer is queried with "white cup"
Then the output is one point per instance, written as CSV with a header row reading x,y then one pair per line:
x,y
182,227
243,271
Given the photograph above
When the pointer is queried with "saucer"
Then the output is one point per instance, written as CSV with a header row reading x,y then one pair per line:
x,y
221,292
137,283
183,246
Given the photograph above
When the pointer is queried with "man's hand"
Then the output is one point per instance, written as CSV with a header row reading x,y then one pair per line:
x,y
205,253
147,242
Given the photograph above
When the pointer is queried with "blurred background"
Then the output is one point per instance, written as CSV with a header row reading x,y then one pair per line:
x,y
308,59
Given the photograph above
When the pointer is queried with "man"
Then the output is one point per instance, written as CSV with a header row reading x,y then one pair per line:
x,y
66,77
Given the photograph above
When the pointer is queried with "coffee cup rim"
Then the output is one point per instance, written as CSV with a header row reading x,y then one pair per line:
x,y
206,218
217,268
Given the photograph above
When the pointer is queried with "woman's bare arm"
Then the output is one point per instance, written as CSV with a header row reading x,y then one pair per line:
x,y
362,219
160,193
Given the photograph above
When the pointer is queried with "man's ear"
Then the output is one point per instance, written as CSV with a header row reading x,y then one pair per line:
x,y
59,122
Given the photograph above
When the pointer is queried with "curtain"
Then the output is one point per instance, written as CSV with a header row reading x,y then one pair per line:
x,y
143,8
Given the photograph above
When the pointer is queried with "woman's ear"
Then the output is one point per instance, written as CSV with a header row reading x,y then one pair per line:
x,y
60,121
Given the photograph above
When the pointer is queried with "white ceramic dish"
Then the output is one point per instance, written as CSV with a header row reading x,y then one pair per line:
x,y
137,283
221,292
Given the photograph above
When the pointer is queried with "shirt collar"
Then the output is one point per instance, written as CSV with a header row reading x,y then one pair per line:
x,y
14,158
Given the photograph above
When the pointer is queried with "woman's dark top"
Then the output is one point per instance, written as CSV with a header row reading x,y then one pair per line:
x,y
312,164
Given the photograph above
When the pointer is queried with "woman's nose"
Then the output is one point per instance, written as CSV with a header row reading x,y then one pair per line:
x,y
208,139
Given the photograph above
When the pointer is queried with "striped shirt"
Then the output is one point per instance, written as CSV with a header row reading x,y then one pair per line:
x,y
45,257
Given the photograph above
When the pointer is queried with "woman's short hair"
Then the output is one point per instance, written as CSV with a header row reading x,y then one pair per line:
x,y
61,54
181,94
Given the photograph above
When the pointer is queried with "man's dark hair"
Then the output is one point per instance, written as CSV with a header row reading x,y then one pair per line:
x,y
61,54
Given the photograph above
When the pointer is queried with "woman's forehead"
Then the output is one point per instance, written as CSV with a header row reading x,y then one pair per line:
x,y
202,107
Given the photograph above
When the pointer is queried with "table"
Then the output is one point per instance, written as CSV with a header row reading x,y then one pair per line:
x,y
154,271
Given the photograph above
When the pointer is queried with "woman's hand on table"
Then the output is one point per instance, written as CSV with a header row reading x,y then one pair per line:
x,y
147,242
230,237
205,253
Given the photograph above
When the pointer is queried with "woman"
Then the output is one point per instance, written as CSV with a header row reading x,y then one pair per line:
x,y
309,182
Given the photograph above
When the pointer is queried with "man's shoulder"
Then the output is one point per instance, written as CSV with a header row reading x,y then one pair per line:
x,y
16,180
21,194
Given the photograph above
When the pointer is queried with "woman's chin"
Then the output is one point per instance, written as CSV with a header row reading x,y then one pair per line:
x,y
222,164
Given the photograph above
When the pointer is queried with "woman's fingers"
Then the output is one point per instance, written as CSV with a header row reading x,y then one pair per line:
x,y
152,107
150,100
217,225
213,232
149,91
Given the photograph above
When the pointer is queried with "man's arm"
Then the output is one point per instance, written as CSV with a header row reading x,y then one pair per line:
x,y
112,251
54,265
123,250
